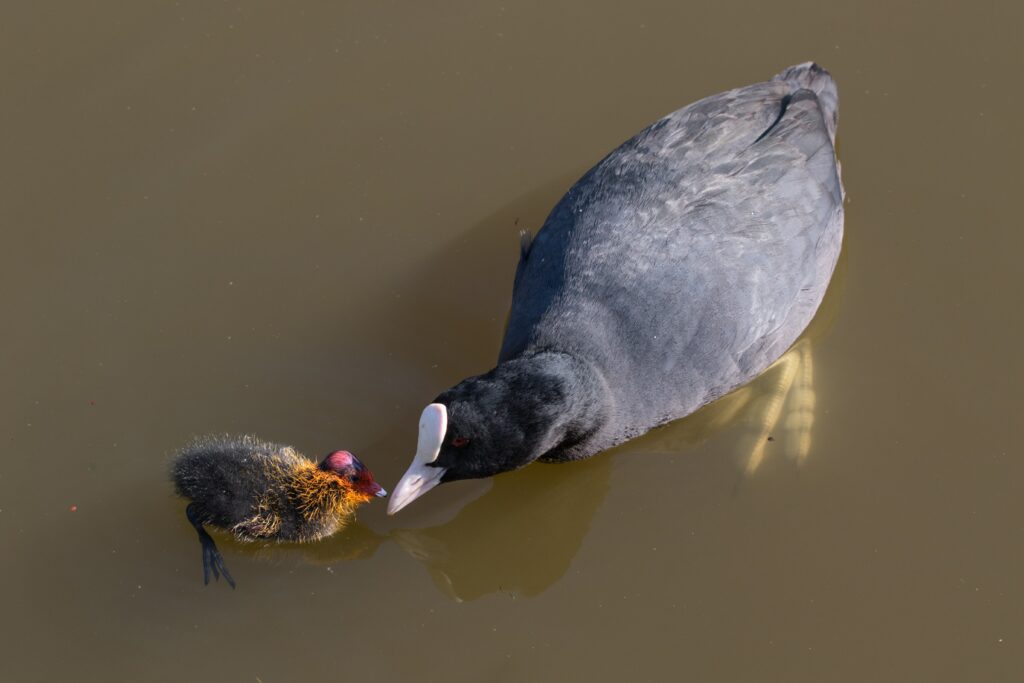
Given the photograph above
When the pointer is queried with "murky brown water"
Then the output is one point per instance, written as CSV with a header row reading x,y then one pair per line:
x,y
300,221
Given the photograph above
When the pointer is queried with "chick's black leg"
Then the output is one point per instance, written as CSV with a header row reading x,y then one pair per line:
x,y
212,560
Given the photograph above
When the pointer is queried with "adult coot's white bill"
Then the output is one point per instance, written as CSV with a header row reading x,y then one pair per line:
x,y
677,269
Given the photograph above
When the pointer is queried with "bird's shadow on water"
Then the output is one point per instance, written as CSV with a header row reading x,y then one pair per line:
x,y
521,536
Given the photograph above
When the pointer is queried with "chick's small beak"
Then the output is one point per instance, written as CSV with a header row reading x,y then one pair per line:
x,y
372,488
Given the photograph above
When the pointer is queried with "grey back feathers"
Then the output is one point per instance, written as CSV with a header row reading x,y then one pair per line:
x,y
692,256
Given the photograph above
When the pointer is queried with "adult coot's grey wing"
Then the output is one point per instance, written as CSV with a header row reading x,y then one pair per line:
x,y
691,257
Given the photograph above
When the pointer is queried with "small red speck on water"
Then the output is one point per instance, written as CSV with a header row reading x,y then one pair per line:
x,y
74,508
92,403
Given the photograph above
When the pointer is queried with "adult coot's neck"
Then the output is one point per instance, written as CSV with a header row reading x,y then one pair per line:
x,y
542,404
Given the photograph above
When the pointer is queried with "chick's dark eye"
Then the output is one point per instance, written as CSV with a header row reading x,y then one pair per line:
x,y
459,441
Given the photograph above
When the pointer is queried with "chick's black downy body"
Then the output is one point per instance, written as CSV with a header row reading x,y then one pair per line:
x,y
231,479
258,490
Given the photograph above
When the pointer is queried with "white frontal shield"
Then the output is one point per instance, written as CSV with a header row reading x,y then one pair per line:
x,y
420,477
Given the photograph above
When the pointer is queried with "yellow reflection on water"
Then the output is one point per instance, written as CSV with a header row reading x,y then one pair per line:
x,y
793,385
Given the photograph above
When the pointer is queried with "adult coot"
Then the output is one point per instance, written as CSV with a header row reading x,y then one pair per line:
x,y
265,491
677,269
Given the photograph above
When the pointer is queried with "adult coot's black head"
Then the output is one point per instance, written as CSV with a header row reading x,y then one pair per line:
x,y
501,421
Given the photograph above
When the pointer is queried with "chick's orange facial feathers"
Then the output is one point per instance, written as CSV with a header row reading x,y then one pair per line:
x,y
365,484
354,474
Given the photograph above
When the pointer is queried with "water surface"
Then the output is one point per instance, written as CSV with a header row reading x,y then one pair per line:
x,y
300,220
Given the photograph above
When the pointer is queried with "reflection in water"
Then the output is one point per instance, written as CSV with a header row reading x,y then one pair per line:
x,y
520,537
793,380
801,414
354,542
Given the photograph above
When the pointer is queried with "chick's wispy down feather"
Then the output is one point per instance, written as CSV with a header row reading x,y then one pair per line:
x,y
259,490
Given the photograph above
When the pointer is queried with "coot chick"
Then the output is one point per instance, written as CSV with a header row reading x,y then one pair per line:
x,y
264,491
676,270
